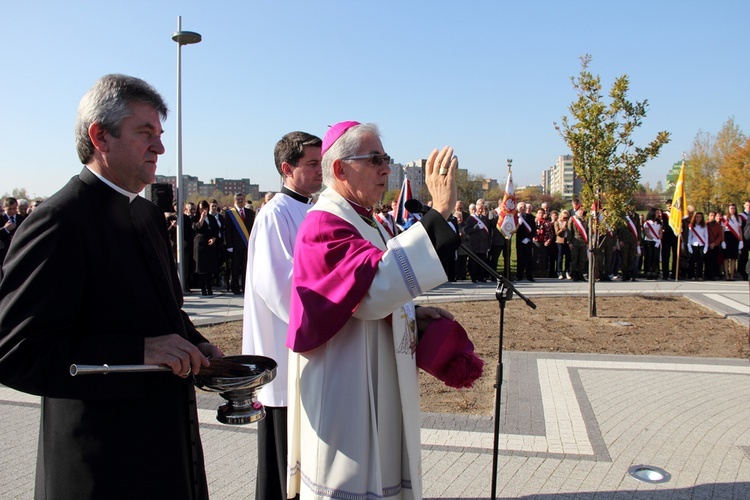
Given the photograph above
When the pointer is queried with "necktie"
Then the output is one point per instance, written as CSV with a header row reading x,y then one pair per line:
x,y
242,213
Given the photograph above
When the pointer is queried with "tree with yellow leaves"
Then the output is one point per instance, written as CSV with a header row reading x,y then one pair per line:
x,y
718,168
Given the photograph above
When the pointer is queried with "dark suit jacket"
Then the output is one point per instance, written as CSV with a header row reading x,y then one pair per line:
x,y
522,232
89,276
233,238
479,239
498,238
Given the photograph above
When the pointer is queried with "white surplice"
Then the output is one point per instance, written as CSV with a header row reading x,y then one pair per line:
x,y
354,421
268,285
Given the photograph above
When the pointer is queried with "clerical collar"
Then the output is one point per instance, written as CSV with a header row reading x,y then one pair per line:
x,y
131,196
363,211
294,194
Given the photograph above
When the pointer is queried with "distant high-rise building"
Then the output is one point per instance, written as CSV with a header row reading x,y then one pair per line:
x,y
232,186
414,171
206,189
396,177
190,185
547,181
561,178
194,186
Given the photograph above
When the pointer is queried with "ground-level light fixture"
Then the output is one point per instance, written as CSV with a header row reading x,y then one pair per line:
x,y
649,474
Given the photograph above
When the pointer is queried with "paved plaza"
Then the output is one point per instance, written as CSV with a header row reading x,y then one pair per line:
x,y
571,425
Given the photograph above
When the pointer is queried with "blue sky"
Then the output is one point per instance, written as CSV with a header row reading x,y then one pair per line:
x,y
487,77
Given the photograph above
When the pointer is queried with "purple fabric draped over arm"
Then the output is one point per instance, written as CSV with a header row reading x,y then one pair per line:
x,y
334,267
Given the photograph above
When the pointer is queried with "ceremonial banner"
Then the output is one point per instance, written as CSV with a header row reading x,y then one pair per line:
x,y
507,223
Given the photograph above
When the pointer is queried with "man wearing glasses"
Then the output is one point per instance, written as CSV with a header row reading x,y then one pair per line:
x,y
354,392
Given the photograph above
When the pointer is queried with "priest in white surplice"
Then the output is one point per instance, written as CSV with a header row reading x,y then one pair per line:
x,y
354,393
266,313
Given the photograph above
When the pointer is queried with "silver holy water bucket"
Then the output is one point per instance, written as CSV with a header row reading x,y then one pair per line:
x,y
242,406
238,379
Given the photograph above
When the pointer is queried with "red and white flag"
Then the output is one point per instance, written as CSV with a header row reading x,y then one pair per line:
x,y
507,223
402,214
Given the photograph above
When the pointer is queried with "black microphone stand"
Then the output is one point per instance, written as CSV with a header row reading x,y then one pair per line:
x,y
503,293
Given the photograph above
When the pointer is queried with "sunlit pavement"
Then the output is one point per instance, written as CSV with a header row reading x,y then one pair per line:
x,y
571,425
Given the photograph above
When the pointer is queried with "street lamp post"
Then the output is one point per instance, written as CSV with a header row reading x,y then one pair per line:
x,y
182,38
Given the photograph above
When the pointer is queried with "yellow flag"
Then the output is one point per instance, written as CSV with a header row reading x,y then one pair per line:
x,y
679,203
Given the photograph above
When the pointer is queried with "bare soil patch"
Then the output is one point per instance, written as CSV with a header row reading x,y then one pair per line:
x,y
642,325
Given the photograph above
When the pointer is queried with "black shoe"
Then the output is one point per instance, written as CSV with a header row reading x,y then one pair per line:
x,y
531,279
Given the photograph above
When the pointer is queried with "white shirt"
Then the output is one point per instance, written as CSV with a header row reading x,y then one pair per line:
x,y
693,239
651,234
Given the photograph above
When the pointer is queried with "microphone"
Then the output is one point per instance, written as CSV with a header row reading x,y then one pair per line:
x,y
416,207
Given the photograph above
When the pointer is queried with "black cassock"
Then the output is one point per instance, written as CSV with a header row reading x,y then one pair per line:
x,y
89,275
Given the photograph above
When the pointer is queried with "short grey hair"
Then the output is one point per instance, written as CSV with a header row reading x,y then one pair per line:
x,y
108,104
346,145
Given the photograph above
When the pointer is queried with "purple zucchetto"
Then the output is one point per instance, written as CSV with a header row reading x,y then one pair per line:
x,y
334,133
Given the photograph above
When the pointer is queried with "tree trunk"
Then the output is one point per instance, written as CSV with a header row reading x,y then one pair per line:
x,y
593,237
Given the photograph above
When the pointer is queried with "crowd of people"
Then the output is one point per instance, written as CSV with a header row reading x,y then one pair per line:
x,y
328,290
215,241
554,244
548,243
12,212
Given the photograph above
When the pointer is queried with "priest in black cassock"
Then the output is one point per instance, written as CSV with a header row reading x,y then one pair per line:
x,y
90,279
